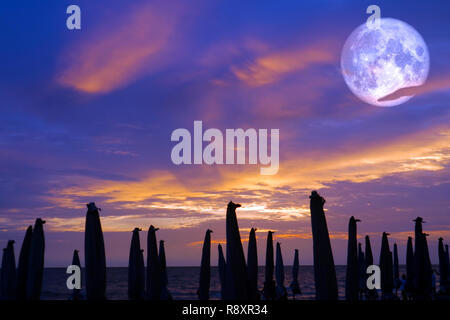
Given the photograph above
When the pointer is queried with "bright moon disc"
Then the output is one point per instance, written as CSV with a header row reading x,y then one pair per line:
x,y
376,62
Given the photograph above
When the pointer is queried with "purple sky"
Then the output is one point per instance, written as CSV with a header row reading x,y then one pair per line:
x,y
87,116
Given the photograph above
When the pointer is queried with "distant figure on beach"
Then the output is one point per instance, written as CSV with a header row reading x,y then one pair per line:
x,y
403,287
433,283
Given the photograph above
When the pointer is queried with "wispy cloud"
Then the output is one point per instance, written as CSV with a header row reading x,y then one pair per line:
x,y
112,57
269,68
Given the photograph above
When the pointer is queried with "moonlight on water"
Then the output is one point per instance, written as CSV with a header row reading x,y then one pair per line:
x,y
378,61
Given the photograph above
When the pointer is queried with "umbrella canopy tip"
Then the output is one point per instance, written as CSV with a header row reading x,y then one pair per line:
x,y
233,205
315,196
92,207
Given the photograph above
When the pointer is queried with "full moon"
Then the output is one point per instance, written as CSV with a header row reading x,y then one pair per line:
x,y
378,61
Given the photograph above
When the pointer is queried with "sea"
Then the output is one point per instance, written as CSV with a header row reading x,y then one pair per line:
x,y
183,282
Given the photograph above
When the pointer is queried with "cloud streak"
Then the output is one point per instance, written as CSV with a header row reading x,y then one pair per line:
x,y
270,68
113,57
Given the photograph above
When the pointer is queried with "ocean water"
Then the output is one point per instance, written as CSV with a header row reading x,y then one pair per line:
x,y
183,282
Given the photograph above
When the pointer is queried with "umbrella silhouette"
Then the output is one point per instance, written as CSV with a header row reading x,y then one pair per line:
x,y
94,255
295,286
352,272
324,269
8,284
22,268
35,270
269,289
236,270
279,275
252,266
153,266
136,271
205,268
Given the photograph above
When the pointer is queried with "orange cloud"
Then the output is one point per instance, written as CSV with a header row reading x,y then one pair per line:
x,y
402,235
111,58
271,67
199,243
196,195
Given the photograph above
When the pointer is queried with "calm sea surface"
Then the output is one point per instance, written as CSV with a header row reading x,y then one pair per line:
x,y
183,282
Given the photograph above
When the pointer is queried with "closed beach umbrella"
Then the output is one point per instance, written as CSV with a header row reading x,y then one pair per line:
x,y
387,277
8,283
443,267
279,275
76,293
252,266
422,275
324,269
136,275
361,271
222,272
295,286
396,272
236,271
428,269
35,270
447,258
22,268
205,268
409,286
370,294
269,290
352,272
94,255
165,294
153,266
